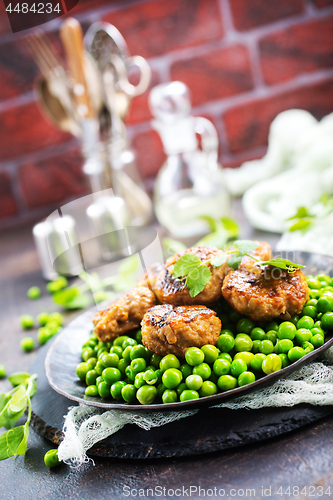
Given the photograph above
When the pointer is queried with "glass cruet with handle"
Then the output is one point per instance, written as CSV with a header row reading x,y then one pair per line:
x,y
190,184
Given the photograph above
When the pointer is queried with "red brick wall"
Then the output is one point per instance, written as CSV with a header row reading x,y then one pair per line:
x,y
244,61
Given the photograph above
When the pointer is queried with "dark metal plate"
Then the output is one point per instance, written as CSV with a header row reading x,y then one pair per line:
x,y
64,355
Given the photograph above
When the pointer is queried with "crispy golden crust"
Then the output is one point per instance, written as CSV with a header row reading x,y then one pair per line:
x,y
171,330
149,278
265,293
170,290
124,314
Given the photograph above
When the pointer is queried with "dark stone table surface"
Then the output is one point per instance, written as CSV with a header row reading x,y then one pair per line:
x,y
295,465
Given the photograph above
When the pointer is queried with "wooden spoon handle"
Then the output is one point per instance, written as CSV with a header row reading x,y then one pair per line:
x,y
72,38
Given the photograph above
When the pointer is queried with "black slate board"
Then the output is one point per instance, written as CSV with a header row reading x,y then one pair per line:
x,y
211,429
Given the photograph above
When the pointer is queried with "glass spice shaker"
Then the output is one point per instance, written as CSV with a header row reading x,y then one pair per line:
x,y
190,184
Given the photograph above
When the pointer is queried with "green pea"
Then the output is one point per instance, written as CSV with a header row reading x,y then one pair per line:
x,y
34,293
272,363
127,353
91,377
171,378
169,396
225,355
120,340
284,345
221,366
287,330
271,325
130,374
284,359
203,370
237,367
57,317
305,322
245,325
211,353
309,311
243,342
324,277
103,390
139,381
161,388
258,334
110,360
43,335
186,370
51,458
256,361
194,382
2,371
246,378
116,349
26,321
313,283
91,390
294,319
225,342
227,331
129,342
308,347
256,346
138,336
99,367
312,302
87,353
245,356
111,375
272,336
43,318
303,335
318,331
122,365
116,389
181,387
146,394
208,388
128,393
188,395
194,356
82,370
138,365
139,351
27,344
155,360
56,285
317,341
159,374
266,347
227,382
327,321
214,377
296,353
170,361
150,377
99,380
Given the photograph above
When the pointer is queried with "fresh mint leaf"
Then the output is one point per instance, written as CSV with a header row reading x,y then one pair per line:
x,y
234,261
219,260
282,264
197,279
231,226
185,264
300,225
78,302
65,297
212,223
245,246
18,378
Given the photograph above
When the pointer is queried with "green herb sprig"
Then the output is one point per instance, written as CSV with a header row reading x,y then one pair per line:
x,y
196,275
13,405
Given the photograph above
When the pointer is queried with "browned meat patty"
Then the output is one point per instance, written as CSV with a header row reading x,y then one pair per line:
x,y
262,252
124,314
170,290
149,278
171,330
265,293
